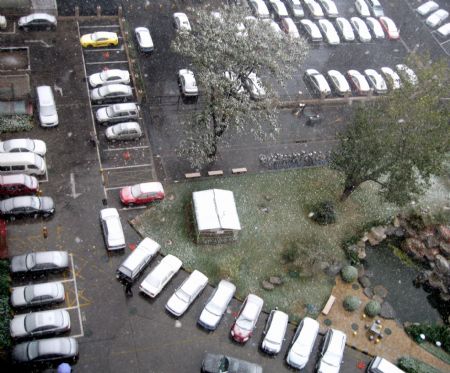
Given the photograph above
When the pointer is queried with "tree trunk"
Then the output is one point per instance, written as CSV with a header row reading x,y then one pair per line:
x,y
349,189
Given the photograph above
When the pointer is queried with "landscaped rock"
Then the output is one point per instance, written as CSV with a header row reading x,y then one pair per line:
x,y
364,281
442,264
380,290
333,269
266,285
360,268
387,311
377,299
444,249
390,230
431,242
376,235
368,292
414,247
399,232
275,280
444,232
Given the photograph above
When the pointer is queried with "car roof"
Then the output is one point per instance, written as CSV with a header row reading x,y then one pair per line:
x,y
191,284
45,16
278,325
48,288
151,187
105,34
13,179
124,106
111,211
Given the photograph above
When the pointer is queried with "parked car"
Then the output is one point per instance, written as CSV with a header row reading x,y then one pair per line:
x,y
242,329
345,28
46,350
185,295
213,363
380,365
436,18
216,305
124,131
37,294
318,82
296,8
111,92
314,8
3,22
38,324
279,8
289,27
375,27
259,8
144,39
332,352
37,21
23,145
329,31
254,86
18,185
110,76
117,113
112,229
160,276
427,8
274,332
375,8
338,83
181,22
391,77
24,206
361,29
376,81
99,39
362,8
187,83
311,29
329,7
141,194
302,343
40,262
444,30
407,74
389,28
358,82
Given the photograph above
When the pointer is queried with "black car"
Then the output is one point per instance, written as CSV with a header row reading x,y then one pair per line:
x,y
213,363
37,21
15,207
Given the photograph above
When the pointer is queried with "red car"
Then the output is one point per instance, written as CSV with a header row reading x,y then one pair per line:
x,y
18,185
140,194
389,28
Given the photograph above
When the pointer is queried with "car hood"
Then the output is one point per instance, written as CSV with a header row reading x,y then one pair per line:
x,y
271,346
47,204
19,353
86,38
18,297
19,263
48,119
40,147
95,80
176,305
17,326
295,359
327,368
125,194
209,319
239,332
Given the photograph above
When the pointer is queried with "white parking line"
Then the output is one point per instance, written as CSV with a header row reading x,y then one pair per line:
x,y
105,62
103,50
130,148
10,32
125,167
132,208
99,26
76,297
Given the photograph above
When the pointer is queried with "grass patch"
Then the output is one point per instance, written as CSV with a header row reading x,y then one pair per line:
x,y
436,351
273,215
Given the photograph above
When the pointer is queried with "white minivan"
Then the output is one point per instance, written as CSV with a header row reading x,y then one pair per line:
x,y
303,342
274,332
48,117
380,365
22,163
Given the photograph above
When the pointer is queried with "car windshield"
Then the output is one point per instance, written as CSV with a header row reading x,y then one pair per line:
x,y
30,322
33,350
214,309
136,190
29,293
182,295
46,110
95,36
104,75
38,161
244,323
110,111
35,203
11,145
31,260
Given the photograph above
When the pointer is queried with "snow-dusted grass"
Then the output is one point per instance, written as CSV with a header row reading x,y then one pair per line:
x,y
273,210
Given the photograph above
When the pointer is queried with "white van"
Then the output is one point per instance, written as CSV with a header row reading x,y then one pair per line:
x,y
22,163
380,365
48,117
136,262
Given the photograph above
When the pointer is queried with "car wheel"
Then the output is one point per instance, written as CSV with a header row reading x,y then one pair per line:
x,y
131,205
35,215
111,45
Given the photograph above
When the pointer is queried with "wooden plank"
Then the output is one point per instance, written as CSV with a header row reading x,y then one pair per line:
x,y
328,305
192,175
241,170
215,173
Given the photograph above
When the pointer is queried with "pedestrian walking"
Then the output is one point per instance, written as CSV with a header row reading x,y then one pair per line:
x,y
64,368
128,291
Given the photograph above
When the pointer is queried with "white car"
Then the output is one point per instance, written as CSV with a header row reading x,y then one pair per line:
x,y
289,27
329,31
444,30
144,39
37,294
236,84
391,77
436,18
426,8
375,8
376,81
124,131
407,74
339,83
181,22
216,305
106,77
245,323
274,332
39,262
314,9
185,295
332,352
111,92
275,27
318,82
389,28
112,229
345,28
330,8
37,324
160,276
23,145
259,8
187,83
362,8
375,27
361,29
279,8
358,82
296,8
312,30
254,86
303,342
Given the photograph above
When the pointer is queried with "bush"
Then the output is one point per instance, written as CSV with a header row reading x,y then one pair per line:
x,y
324,213
351,303
5,310
290,253
411,365
372,308
349,274
15,123
433,333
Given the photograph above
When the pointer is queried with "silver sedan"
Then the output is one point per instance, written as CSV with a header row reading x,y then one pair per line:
x,y
38,294
23,145
46,350
37,324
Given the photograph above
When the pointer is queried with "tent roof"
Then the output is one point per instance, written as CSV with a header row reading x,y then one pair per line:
x,y
215,209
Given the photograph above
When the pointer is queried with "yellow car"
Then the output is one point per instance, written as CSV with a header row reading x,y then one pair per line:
x,y
99,39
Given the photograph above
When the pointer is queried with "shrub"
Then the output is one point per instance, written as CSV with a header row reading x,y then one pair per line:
x,y
15,123
411,365
349,274
433,333
351,303
324,213
290,252
5,310
372,308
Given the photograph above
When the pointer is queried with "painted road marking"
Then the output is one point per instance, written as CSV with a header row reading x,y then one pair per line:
x,y
105,63
125,167
10,32
129,148
78,302
103,50
99,26
74,194
39,41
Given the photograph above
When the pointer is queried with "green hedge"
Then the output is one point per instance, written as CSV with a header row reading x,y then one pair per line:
x,y
411,365
5,310
433,333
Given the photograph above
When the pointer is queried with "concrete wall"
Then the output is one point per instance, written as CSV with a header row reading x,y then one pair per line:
x,y
24,7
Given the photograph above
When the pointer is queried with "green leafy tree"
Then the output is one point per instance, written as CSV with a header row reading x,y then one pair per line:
x,y
399,141
233,45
